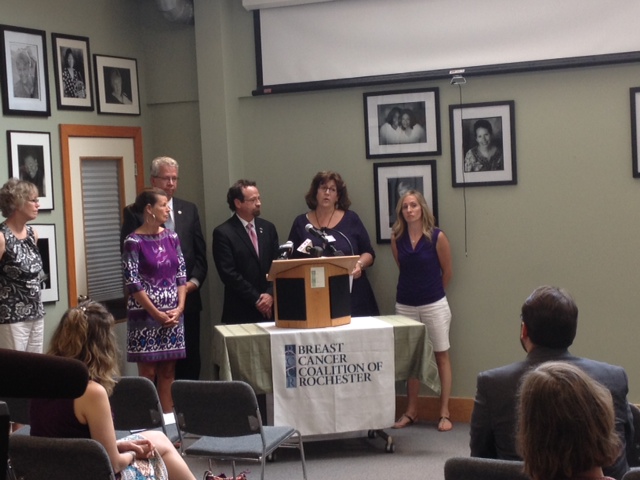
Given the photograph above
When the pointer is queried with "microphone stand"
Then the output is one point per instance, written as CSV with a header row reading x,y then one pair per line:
x,y
346,238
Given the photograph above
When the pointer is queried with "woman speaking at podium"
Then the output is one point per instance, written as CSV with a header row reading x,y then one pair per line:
x,y
329,213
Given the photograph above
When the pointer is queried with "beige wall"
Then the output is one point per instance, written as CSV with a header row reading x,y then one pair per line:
x,y
168,95
572,219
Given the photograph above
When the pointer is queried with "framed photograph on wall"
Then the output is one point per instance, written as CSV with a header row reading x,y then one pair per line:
x,y
402,123
25,81
72,62
30,159
47,247
117,85
391,181
483,144
635,132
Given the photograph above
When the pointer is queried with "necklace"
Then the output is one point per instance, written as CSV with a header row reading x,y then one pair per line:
x,y
328,223
160,247
155,236
414,242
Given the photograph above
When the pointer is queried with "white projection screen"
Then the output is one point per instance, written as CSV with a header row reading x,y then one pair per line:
x,y
366,42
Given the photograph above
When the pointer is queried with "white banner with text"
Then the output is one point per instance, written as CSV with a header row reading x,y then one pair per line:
x,y
336,379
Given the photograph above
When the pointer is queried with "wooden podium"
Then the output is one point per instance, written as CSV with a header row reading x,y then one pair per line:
x,y
312,292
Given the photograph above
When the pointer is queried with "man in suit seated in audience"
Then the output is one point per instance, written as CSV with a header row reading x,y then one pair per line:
x,y
548,328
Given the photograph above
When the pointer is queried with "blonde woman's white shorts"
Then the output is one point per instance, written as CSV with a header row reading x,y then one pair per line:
x,y
436,317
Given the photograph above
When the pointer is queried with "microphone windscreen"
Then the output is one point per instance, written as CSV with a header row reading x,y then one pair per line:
x,y
35,375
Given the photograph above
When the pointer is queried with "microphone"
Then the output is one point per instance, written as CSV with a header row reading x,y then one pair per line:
x,y
285,250
315,251
326,239
34,375
316,233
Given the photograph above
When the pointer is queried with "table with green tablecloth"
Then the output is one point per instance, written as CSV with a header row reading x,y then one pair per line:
x,y
243,352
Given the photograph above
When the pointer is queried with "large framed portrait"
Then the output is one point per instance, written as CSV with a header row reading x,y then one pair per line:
x,y
117,85
483,144
47,248
30,159
25,81
635,130
72,61
391,181
402,123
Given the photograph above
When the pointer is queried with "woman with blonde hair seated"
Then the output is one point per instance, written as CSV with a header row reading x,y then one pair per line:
x,y
566,424
86,334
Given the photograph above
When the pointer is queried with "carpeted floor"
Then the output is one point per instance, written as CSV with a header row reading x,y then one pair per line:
x,y
420,452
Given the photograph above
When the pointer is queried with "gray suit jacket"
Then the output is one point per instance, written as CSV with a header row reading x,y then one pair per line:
x,y
494,420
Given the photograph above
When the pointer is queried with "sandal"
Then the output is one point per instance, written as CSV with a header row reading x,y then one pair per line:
x,y
401,423
442,424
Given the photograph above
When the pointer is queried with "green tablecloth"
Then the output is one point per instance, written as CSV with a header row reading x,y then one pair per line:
x,y
243,352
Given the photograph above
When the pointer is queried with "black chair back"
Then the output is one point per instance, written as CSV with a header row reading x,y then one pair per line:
x,y
36,458
212,408
135,404
471,468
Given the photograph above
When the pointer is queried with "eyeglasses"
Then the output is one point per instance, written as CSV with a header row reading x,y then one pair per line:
x,y
252,199
33,200
328,189
168,179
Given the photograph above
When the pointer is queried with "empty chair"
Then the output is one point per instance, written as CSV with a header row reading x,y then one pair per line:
x,y
632,474
36,458
472,468
18,413
18,409
633,448
225,416
136,406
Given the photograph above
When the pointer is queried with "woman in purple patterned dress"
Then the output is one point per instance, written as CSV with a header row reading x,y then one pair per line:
x,y
155,277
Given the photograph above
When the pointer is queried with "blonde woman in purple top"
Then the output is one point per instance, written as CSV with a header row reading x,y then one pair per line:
x,y
155,277
423,255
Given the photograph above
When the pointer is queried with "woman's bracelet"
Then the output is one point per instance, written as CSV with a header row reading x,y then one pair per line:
x,y
134,455
359,262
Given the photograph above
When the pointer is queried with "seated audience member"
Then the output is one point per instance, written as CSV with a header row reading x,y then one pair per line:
x,y
86,334
548,328
566,424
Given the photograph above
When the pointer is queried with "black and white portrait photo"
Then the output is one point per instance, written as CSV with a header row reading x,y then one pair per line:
x,y
402,123
398,186
31,164
392,180
25,81
24,62
117,83
483,144
71,59
30,160
45,277
72,73
49,274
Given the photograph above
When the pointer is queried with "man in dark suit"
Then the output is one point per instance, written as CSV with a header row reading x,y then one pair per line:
x,y
548,328
185,221
243,268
